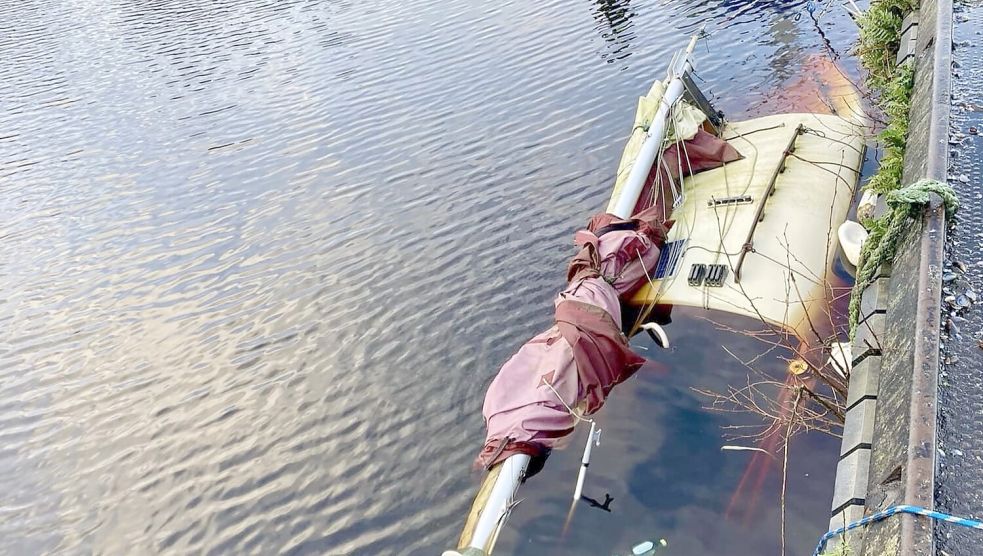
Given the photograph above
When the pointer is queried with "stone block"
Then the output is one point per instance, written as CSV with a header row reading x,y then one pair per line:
x,y
858,430
841,519
875,297
851,479
909,20
846,516
867,340
909,38
863,381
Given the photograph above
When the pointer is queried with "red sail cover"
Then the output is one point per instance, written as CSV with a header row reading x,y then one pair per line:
x,y
576,362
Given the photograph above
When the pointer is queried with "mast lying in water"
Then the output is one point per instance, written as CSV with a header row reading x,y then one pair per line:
x,y
624,198
728,247
642,237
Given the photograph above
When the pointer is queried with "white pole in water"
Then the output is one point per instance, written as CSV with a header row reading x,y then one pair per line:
x,y
499,502
592,437
624,203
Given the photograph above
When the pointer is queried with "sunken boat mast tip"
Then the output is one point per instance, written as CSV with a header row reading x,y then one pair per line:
x,y
624,199
704,213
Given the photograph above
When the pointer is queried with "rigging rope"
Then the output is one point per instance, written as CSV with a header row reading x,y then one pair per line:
x,y
894,510
882,244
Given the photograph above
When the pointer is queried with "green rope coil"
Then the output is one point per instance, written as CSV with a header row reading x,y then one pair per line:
x,y
882,243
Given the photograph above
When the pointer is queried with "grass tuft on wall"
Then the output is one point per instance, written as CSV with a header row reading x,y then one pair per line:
x,y
891,85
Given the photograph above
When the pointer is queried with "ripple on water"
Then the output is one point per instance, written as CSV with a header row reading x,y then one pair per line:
x,y
260,259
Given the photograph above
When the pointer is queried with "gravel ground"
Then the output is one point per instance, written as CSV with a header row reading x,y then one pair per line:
x,y
960,480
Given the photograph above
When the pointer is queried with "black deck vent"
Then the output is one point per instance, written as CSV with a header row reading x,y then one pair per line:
x,y
716,274
697,272
669,259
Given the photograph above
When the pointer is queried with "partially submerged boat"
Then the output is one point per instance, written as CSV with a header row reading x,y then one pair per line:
x,y
728,216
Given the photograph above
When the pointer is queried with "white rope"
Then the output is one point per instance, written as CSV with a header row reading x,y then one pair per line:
x,y
569,409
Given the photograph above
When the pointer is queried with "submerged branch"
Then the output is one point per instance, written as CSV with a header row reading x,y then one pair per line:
x,y
788,433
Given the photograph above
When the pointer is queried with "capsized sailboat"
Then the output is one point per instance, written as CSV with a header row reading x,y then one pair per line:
x,y
704,213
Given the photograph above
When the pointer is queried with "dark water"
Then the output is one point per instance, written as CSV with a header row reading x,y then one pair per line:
x,y
259,261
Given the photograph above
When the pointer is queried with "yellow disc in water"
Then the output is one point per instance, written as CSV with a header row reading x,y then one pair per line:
x,y
797,367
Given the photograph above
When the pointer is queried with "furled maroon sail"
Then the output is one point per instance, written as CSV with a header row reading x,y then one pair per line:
x,y
576,362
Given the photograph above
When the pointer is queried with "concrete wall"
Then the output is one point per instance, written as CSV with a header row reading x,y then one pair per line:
x,y
888,453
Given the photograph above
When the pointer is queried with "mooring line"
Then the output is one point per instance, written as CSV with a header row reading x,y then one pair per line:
x,y
893,510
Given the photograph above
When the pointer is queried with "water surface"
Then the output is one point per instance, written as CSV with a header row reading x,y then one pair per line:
x,y
259,261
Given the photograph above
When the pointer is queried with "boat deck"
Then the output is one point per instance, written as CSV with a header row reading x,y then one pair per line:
x,y
760,221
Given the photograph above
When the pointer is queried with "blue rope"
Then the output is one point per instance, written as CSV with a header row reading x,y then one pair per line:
x,y
897,510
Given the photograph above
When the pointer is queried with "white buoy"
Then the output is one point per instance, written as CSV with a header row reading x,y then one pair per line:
x,y
648,548
852,237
